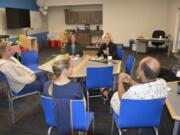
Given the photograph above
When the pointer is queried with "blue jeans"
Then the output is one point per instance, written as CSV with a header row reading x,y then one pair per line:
x,y
36,85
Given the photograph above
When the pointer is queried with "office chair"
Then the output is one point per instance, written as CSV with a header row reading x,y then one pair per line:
x,y
130,64
120,53
13,96
80,119
31,60
139,114
97,78
157,34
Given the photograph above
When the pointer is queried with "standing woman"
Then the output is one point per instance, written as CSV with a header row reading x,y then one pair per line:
x,y
72,47
108,48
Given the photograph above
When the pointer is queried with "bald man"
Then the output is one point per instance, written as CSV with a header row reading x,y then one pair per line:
x,y
148,87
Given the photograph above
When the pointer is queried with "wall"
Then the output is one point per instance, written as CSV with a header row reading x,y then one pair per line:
x,y
172,14
72,2
56,18
173,22
127,19
38,22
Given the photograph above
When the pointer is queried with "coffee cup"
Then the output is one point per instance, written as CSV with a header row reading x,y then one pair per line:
x,y
109,59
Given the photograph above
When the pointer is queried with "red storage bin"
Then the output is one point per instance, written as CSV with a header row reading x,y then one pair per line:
x,y
52,43
59,44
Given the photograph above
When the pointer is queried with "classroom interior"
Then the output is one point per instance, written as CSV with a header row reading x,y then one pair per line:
x,y
44,27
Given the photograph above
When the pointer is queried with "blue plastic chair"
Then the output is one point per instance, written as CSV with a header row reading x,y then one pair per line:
x,y
130,64
47,104
97,78
139,114
31,60
80,119
120,53
13,96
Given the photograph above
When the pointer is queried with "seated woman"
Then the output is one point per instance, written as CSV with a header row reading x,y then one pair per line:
x,y
72,47
62,89
108,48
62,86
20,78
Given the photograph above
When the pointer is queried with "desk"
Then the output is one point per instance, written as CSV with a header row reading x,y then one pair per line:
x,y
142,44
80,66
173,105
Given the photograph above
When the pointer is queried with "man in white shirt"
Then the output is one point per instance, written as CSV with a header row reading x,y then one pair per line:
x,y
149,86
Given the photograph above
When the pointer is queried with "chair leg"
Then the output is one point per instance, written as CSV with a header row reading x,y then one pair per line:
x,y
110,109
156,130
87,99
11,108
49,130
93,125
120,133
112,126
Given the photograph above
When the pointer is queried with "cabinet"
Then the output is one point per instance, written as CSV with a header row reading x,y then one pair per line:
x,y
83,38
83,17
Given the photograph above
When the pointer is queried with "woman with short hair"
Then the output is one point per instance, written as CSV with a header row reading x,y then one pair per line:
x,y
108,48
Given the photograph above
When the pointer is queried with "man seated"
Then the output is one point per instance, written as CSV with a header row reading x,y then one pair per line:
x,y
148,86
21,79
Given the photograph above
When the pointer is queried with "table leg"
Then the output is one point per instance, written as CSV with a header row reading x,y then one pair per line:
x,y
169,44
168,50
114,82
176,127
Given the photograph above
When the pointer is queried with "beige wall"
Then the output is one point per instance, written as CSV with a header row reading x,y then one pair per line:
x,y
173,22
172,15
127,19
38,23
56,18
72,2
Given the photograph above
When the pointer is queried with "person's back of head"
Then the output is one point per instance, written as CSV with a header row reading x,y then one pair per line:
x,y
150,68
58,66
3,46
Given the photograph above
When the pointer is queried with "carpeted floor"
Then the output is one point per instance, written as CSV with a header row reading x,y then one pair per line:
x,y
30,116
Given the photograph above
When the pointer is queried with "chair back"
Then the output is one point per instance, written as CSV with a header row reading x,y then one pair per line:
x,y
47,104
130,64
78,114
29,58
4,79
99,77
120,53
158,33
140,113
